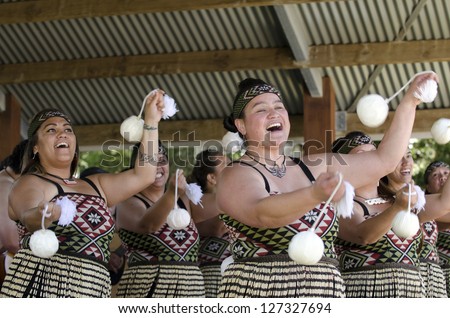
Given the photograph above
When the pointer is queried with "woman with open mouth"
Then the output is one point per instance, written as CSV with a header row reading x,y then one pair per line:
x,y
70,215
266,197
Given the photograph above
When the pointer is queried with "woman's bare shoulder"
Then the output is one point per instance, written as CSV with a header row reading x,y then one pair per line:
x,y
30,182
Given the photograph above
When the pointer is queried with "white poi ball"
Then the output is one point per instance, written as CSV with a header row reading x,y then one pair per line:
x,y
227,261
306,248
372,110
44,243
427,92
405,224
441,131
178,219
132,129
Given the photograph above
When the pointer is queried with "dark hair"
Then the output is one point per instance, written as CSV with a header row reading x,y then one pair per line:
x,y
162,150
383,188
15,159
228,124
205,163
431,167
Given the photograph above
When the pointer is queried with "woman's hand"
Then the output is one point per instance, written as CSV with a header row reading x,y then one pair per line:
x,y
154,107
325,185
401,197
52,212
418,81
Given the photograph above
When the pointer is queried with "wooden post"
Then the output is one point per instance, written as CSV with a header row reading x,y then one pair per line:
x,y
9,126
319,119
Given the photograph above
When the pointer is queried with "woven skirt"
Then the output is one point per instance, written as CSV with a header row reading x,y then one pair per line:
x,y
279,276
161,280
446,271
384,281
61,275
212,276
433,280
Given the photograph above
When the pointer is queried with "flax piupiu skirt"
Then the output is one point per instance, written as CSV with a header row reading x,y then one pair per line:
x,y
62,275
278,276
161,280
384,281
433,280
212,276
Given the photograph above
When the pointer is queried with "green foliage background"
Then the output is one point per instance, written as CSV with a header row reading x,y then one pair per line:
x,y
424,152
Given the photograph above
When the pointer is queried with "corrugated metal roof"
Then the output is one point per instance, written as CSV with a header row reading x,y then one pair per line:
x,y
209,95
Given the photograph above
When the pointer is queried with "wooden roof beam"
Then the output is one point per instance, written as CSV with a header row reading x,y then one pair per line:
x,y
46,10
227,60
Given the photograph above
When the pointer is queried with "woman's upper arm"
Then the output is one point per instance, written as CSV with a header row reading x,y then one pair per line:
x,y
238,192
348,227
207,209
358,169
129,213
26,193
437,207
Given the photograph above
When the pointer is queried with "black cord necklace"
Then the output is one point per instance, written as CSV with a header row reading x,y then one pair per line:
x,y
68,181
276,170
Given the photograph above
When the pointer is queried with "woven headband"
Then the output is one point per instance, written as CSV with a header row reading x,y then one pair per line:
x,y
246,96
42,116
354,142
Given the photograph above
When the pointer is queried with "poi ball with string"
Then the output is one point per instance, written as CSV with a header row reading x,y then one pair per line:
x,y
132,128
405,224
306,248
440,131
178,219
44,243
372,110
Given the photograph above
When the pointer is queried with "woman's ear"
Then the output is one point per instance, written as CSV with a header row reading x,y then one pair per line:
x,y
239,123
35,150
211,178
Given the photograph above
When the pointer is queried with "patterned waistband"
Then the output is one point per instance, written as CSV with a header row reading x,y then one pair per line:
x,y
283,258
426,260
382,266
82,256
215,263
171,263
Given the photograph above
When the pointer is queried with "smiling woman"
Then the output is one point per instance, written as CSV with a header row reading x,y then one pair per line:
x,y
267,198
75,210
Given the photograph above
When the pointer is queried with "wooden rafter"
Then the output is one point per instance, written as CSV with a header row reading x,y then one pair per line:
x,y
227,60
46,10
